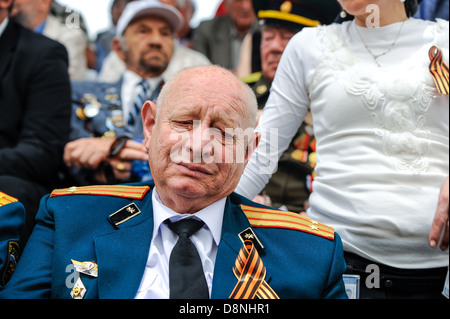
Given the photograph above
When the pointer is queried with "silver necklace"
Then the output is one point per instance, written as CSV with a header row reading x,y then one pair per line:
x,y
376,56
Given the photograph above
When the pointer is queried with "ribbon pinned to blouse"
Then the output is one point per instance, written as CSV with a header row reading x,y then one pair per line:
x,y
439,70
251,273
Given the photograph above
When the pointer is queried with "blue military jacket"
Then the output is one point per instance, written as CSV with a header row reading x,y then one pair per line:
x,y
75,224
12,220
97,110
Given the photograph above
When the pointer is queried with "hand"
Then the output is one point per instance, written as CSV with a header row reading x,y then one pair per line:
x,y
440,221
121,169
87,152
122,163
133,151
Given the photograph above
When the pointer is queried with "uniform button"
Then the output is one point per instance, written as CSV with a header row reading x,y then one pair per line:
x,y
388,284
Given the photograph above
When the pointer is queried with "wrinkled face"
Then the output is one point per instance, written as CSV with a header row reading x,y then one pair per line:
x,y
149,45
273,42
242,13
195,148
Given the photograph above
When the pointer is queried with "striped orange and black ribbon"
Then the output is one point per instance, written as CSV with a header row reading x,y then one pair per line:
x,y
439,70
251,273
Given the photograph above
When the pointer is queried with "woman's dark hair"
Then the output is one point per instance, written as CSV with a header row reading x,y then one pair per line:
x,y
411,7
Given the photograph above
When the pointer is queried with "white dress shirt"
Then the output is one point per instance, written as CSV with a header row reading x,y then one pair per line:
x,y
155,282
3,26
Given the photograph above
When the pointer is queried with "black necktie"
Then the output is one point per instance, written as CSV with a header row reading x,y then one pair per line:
x,y
186,276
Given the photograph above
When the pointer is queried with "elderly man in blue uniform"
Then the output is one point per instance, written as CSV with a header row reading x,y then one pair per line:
x,y
187,235
106,129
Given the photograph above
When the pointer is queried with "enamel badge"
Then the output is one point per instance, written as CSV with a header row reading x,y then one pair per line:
x,y
86,267
248,234
124,214
78,290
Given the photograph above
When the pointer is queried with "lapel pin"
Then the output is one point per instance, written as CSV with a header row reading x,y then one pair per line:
x,y
78,290
86,267
248,234
124,214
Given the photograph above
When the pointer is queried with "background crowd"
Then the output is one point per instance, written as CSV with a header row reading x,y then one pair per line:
x,y
71,114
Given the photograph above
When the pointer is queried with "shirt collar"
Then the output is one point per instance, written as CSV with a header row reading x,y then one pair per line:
x,y
40,28
3,25
133,79
211,215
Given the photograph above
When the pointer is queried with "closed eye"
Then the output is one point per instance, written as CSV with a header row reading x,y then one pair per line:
x,y
182,125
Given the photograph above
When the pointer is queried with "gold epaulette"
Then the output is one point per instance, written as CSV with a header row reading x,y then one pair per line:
x,y
271,218
6,199
131,192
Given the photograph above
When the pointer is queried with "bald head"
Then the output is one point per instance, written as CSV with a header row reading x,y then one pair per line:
x,y
215,81
200,136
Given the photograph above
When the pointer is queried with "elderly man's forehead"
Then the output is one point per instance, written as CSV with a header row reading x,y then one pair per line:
x,y
209,87
214,76
215,83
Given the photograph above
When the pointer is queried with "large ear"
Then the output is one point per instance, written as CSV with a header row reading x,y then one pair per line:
x,y
117,47
148,114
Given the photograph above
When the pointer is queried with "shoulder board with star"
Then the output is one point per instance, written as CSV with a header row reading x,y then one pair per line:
x,y
123,191
6,199
271,218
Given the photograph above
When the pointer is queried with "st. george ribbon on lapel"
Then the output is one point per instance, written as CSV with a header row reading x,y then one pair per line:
x,y
439,70
250,272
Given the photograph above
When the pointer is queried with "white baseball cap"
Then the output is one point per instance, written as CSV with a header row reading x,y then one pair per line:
x,y
139,8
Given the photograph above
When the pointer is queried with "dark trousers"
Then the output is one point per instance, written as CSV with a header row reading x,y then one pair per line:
x,y
29,194
395,283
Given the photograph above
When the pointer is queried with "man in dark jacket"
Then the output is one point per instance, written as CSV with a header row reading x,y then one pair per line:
x,y
220,39
35,111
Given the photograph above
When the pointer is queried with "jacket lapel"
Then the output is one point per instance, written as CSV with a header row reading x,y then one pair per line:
x,y
123,253
234,222
8,42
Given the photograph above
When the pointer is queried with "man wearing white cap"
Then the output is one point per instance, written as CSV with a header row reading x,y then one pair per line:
x,y
113,67
106,125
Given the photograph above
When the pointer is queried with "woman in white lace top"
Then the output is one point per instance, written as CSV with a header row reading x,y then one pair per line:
x,y
382,131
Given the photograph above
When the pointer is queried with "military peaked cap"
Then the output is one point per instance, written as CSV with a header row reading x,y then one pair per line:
x,y
296,14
